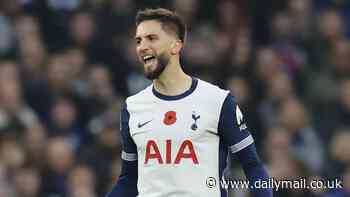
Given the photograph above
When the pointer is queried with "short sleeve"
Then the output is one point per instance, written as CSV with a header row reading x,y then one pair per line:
x,y
232,127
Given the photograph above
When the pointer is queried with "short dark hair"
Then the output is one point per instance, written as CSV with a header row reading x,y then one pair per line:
x,y
170,21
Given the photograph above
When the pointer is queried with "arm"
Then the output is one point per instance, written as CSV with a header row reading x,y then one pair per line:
x,y
127,182
254,170
234,133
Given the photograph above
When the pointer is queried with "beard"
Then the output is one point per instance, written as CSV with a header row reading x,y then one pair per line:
x,y
153,73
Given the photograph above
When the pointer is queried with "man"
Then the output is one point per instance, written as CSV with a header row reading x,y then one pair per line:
x,y
177,132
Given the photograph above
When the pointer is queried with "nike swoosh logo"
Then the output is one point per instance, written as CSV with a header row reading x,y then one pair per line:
x,y
139,125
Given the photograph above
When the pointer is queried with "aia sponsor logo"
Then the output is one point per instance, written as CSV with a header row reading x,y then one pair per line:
x,y
185,151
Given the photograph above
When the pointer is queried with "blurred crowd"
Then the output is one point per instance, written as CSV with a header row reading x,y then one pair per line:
x,y
67,65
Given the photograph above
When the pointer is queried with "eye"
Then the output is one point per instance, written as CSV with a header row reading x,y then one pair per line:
x,y
137,41
152,38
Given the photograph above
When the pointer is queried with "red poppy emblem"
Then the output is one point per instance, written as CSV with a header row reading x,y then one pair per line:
x,y
170,118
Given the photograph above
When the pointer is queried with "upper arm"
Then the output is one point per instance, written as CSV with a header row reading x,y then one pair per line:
x,y
232,127
129,152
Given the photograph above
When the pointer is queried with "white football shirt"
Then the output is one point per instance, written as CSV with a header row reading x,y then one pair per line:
x,y
181,142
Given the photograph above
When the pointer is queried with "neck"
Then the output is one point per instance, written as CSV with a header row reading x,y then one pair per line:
x,y
173,81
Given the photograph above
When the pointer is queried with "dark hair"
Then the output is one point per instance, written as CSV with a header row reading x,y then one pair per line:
x,y
171,22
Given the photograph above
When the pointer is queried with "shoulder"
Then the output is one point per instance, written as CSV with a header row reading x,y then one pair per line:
x,y
211,87
212,92
140,97
213,98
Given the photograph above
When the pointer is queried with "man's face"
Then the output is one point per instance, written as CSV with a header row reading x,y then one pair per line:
x,y
153,47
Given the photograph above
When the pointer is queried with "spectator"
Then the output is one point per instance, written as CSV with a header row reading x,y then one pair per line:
x,y
338,157
27,182
60,159
12,154
16,115
63,122
279,89
81,182
305,143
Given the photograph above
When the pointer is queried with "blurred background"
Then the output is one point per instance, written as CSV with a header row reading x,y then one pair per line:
x,y
67,65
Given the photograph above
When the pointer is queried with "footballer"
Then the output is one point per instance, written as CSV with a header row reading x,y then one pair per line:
x,y
178,132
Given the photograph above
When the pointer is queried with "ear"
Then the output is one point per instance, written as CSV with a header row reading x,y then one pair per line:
x,y
176,47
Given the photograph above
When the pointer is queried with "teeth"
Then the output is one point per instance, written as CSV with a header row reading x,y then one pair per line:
x,y
147,57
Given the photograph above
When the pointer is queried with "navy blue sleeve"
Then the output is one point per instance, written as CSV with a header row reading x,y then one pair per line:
x,y
127,181
235,135
128,144
254,170
232,127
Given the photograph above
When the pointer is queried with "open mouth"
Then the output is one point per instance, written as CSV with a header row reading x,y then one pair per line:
x,y
148,58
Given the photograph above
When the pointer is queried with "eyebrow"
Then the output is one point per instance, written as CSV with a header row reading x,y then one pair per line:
x,y
147,35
